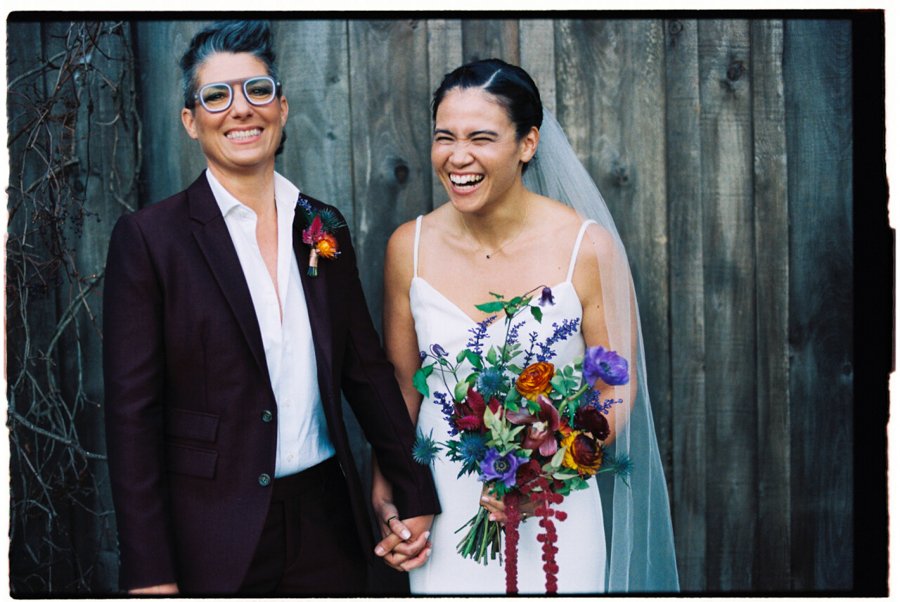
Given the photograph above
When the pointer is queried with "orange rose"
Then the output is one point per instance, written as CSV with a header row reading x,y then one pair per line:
x,y
327,246
535,380
583,453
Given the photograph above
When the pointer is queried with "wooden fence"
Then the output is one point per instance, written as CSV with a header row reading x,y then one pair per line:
x,y
725,150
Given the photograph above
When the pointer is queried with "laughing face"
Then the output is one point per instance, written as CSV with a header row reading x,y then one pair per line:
x,y
244,137
475,152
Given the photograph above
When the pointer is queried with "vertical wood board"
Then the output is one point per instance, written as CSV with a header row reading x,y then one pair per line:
x,y
819,142
391,167
770,181
727,180
312,59
444,55
686,293
171,160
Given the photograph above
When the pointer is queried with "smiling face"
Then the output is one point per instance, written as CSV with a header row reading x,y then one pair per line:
x,y
243,138
474,151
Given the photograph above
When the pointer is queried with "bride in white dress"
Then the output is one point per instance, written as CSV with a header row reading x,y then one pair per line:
x,y
497,236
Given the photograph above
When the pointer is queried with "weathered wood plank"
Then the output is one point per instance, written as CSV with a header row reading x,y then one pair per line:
x,y
686,293
726,132
608,92
391,156
488,38
313,66
820,170
770,181
391,165
538,57
171,159
444,55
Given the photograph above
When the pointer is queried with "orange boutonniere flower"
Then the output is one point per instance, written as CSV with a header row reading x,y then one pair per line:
x,y
318,235
535,380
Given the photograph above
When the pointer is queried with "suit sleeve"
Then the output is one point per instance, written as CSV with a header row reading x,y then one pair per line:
x,y
371,389
134,379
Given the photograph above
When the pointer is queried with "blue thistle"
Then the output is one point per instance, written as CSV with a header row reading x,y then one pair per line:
x,y
424,449
620,465
489,382
469,450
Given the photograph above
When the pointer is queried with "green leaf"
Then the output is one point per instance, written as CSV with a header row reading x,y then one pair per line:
x,y
536,313
473,358
492,356
490,307
513,396
559,384
556,462
420,379
460,390
461,355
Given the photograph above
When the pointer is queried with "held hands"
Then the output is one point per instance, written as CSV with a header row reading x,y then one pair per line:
x,y
404,545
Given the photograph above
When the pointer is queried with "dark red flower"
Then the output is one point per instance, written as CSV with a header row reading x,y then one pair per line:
x,y
588,418
469,415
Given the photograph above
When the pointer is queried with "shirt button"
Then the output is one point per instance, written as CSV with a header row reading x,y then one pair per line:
x,y
267,416
264,480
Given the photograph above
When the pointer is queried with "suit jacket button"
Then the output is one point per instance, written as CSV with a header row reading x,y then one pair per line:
x,y
264,480
267,416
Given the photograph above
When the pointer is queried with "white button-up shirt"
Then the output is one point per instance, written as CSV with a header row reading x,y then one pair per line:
x,y
290,356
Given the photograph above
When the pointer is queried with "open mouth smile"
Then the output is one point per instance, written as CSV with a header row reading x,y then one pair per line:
x,y
243,134
466,180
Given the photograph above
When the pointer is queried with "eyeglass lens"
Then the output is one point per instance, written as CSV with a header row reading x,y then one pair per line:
x,y
257,90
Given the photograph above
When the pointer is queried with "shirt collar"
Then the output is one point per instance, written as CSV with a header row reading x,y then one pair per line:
x,y
285,195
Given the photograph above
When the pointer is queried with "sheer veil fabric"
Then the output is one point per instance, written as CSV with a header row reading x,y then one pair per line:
x,y
640,544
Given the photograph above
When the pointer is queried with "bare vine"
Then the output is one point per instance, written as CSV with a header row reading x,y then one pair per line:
x,y
74,144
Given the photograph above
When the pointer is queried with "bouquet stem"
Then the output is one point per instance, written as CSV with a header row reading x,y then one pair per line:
x,y
482,540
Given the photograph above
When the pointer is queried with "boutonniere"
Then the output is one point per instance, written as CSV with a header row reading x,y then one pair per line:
x,y
319,234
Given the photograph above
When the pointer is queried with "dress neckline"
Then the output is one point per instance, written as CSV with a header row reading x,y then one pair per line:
x,y
446,300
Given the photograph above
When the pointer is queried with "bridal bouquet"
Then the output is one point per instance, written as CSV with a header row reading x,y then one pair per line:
x,y
530,430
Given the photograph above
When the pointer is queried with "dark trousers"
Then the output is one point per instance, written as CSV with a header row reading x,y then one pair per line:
x,y
309,543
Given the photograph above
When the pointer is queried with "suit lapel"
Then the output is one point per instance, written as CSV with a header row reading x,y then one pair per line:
x,y
215,243
316,292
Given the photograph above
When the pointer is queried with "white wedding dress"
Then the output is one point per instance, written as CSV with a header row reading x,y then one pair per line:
x,y
581,541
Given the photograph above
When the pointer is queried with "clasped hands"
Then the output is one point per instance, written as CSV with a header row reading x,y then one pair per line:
x,y
405,543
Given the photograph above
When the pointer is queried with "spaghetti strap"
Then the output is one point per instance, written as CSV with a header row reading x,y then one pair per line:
x,y
416,247
581,232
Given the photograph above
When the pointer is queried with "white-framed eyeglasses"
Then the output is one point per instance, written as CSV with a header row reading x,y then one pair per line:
x,y
217,96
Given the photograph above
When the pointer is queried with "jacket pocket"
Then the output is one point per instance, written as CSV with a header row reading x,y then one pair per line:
x,y
187,424
191,461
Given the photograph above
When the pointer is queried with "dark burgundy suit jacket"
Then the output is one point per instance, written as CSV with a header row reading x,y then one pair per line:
x,y
190,439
